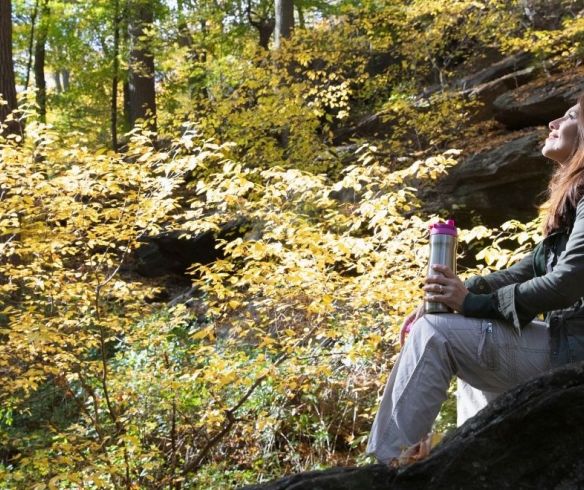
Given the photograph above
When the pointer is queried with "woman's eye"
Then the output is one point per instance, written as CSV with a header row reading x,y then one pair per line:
x,y
572,115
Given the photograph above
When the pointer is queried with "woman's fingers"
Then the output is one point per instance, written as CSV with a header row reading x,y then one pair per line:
x,y
444,269
408,322
406,328
436,280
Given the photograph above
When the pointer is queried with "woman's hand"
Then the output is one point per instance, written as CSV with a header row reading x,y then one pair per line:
x,y
445,287
410,319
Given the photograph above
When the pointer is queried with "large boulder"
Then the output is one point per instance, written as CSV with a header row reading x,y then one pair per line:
x,y
492,67
498,184
531,437
488,92
539,102
369,125
506,66
170,253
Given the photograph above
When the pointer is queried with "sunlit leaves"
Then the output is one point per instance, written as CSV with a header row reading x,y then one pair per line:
x,y
285,342
72,218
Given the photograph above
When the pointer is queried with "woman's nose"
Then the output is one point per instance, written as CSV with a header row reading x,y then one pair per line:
x,y
555,124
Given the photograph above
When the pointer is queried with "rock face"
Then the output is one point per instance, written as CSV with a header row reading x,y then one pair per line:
x,y
501,68
488,92
167,253
538,103
498,184
529,438
485,85
367,125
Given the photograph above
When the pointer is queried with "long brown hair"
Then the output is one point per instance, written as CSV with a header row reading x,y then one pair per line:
x,y
566,186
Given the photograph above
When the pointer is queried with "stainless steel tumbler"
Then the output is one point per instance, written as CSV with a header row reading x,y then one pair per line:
x,y
442,251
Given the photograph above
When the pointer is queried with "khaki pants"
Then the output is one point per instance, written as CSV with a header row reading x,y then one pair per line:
x,y
488,356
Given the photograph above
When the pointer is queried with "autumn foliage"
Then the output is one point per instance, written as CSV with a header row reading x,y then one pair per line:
x,y
274,365
274,360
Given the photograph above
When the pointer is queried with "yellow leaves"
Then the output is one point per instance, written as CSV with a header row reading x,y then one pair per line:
x,y
304,58
523,237
266,342
234,304
433,167
313,288
265,421
54,482
475,233
204,333
497,257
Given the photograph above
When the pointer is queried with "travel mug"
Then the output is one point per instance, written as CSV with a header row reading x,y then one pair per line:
x,y
442,251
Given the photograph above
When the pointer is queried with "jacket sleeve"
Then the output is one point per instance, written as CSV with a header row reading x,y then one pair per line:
x,y
519,272
519,303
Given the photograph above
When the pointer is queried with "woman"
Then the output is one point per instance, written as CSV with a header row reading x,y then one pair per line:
x,y
494,343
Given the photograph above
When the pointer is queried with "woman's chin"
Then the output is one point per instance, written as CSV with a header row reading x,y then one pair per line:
x,y
552,154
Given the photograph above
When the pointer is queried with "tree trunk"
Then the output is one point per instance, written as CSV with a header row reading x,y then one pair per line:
x,y
65,73
31,43
57,80
184,35
301,21
39,61
115,75
124,29
263,22
265,28
127,110
284,20
142,103
7,82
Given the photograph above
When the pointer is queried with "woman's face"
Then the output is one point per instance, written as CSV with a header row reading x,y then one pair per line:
x,y
563,138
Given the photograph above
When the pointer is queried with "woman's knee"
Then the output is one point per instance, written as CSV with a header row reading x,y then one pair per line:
x,y
432,325
447,328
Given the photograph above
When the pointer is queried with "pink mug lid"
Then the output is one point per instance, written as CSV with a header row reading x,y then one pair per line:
x,y
440,228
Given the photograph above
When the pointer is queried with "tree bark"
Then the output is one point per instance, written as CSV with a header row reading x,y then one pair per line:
x,y
301,21
57,80
264,23
284,21
39,61
142,95
115,75
266,29
184,36
7,81
65,78
31,42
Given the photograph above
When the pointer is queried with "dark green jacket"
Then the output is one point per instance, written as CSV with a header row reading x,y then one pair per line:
x,y
549,280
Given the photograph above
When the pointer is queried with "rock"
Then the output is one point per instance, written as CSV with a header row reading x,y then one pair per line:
x,y
505,74
506,66
531,437
487,92
344,195
539,102
372,477
379,61
549,14
493,71
369,125
168,253
502,183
